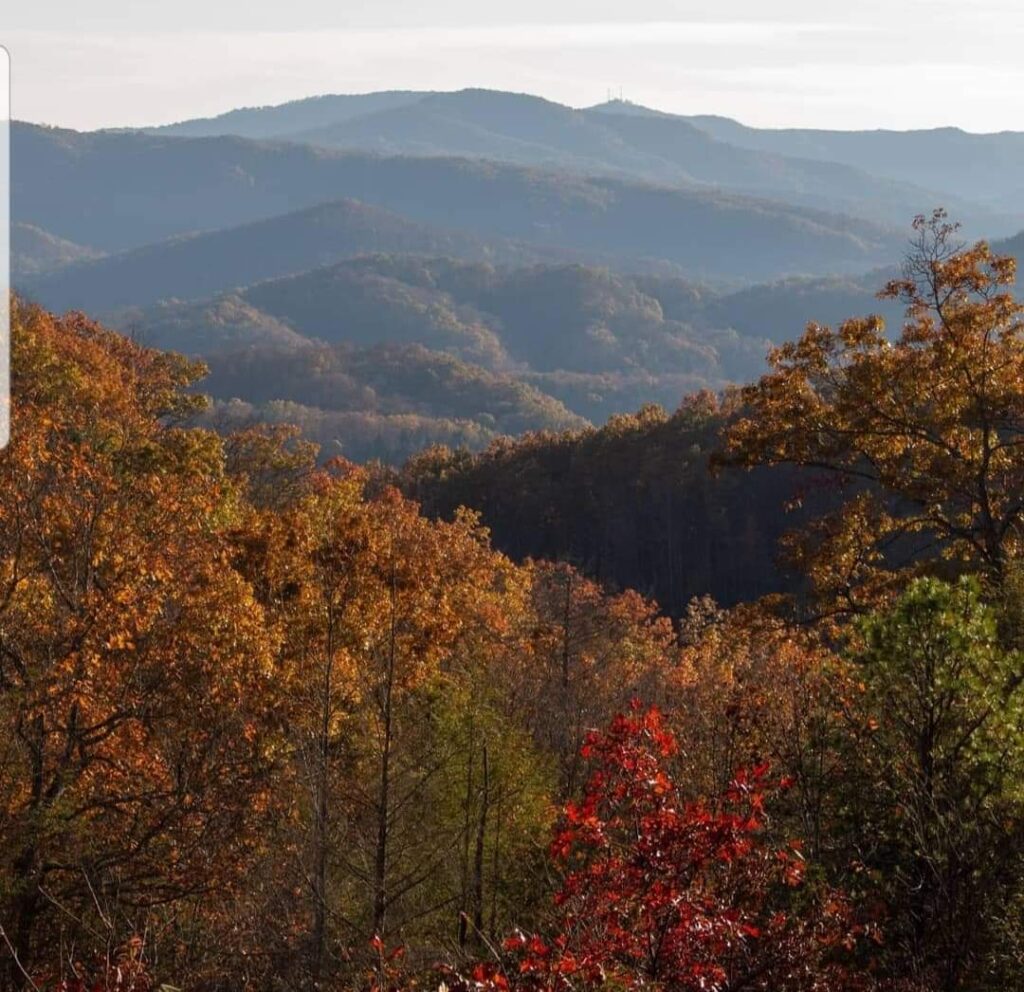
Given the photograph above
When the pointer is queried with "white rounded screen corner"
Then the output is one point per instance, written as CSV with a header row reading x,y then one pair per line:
x,y
5,246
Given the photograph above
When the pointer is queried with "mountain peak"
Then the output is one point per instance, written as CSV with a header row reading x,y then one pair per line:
x,y
621,106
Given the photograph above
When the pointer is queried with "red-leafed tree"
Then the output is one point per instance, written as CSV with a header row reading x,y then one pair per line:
x,y
665,894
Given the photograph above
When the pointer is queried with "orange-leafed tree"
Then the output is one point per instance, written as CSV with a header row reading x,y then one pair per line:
x,y
591,653
137,713
923,432
749,688
423,589
395,632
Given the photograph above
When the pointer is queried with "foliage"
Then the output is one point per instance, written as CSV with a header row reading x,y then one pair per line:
x,y
934,801
922,433
266,725
136,674
666,893
632,504
252,709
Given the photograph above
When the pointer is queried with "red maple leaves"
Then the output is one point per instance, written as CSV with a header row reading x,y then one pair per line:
x,y
665,893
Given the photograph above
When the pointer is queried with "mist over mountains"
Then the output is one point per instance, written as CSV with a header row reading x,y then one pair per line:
x,y
870,173
399,268
122,191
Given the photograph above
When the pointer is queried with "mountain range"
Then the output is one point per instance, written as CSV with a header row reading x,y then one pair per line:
x,y
122,191
402,268
877,174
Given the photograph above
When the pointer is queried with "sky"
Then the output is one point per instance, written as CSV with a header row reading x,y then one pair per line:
x,y
769,63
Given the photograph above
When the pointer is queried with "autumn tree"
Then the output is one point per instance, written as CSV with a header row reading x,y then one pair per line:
x,y
922,433
286,545
137,702
591,653
665,893
416,791
751,687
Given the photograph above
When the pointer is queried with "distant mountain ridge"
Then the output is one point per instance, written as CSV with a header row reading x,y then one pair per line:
x,y
458,266
285,119
877,174
986,168
122,191
655,147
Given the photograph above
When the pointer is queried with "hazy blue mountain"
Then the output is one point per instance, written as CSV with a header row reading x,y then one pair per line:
x,y
35,251
870,174
541,318
599,342
569,329
504,349
286,119
193,266
508,319
984,168
396,269
490,124
660,148
595,338
829,185
122,190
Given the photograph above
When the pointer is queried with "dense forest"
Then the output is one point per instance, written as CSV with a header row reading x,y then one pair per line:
x,y
273,720
387,353
634,504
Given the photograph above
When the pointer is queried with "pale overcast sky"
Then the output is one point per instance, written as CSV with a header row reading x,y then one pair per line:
x,y
860,63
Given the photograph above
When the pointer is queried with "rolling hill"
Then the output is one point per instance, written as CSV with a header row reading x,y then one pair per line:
x,y
983,168
598,341
385,402
119,191
887,176
35,251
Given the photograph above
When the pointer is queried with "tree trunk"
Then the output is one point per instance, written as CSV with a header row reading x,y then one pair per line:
x,y
320,836
478,860
380,873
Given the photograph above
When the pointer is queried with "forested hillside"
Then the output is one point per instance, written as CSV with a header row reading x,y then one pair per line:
x,y
637,502
561,344
35,252
123,191
633,504
268,723
867,174
384,402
